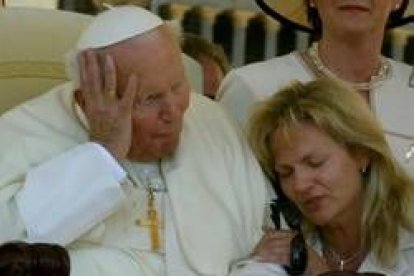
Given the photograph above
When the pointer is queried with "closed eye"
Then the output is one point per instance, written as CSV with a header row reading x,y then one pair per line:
x,y
284,172
176,88
151,99
315,163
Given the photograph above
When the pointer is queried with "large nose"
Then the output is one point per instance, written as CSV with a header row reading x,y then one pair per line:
x,y
170,109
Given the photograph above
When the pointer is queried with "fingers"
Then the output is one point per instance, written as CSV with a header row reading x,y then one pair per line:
x,y
90,73
274,252
110,78
99,82
109,116
84,84
280,233
274,247
94,73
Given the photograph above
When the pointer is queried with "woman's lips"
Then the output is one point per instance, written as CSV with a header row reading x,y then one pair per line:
x,y
313,204
354,8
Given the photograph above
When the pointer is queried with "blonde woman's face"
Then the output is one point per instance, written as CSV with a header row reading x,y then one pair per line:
x,y
354,16
318,175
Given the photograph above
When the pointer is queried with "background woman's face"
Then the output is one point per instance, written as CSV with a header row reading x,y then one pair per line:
x,y
354,16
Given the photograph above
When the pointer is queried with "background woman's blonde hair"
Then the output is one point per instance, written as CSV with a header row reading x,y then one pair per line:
x,y
345,116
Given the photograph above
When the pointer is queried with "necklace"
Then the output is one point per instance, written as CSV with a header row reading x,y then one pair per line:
x,y
339,261
375,81
152,179
147,175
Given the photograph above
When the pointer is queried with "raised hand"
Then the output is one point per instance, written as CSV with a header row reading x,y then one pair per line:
x,y
108,110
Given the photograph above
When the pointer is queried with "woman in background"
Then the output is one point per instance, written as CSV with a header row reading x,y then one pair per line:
x,y
349,50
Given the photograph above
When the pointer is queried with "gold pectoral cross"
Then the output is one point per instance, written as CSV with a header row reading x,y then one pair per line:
x,y
152,221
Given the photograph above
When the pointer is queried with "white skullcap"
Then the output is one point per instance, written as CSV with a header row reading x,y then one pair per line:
x,y
117,24
110,27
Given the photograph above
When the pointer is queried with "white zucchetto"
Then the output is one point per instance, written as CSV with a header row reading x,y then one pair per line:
x,y
108,28
117,24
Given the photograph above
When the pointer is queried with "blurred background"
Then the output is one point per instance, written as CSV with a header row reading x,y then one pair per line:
x,y
245,33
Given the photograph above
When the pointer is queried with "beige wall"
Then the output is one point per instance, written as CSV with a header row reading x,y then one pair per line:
x,y
32,3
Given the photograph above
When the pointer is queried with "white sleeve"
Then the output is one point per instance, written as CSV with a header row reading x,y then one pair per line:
x,y
253,268
67,195
237,97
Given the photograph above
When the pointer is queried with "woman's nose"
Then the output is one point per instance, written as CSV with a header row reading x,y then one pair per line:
x,y
302,181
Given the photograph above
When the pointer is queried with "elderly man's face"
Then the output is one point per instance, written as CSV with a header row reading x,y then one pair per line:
x,y
162,96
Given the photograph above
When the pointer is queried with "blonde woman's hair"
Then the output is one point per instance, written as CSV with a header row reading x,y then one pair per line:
x,y
345,116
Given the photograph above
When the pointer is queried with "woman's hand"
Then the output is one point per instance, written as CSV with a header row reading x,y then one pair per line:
x,y
108,111
274,247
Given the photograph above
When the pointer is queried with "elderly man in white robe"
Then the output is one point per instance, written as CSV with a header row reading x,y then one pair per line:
x,y
125,167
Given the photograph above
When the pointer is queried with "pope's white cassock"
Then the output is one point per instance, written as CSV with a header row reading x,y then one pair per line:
x,y
56,186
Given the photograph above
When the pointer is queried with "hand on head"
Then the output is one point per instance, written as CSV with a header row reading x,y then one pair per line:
x,y
108,110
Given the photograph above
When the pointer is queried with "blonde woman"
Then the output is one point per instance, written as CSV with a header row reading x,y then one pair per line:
x,y
321,144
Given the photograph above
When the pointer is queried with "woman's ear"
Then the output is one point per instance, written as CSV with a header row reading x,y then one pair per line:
x,y
362,158
364,161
